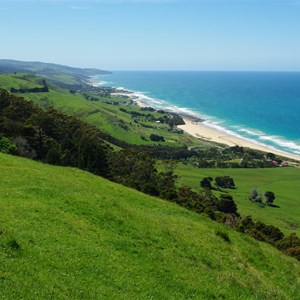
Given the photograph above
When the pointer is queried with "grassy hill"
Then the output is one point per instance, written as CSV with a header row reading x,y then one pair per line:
x,y
284,182
66,234
57,74
103,112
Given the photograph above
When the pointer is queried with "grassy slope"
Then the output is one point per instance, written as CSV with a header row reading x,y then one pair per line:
x,y
83,237
284,182
103,115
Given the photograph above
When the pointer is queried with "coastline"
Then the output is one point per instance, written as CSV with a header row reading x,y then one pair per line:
x,y
197,127
202,131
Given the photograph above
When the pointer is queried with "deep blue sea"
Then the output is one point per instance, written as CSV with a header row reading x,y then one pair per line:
x,y
261,106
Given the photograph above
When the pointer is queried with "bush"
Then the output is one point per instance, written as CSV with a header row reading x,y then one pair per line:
x,y
270,197
156,138
295,252
254,196
290,241
206,183
226,204
225,182
6,146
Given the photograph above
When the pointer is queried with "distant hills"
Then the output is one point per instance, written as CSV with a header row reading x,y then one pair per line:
x,y
57,74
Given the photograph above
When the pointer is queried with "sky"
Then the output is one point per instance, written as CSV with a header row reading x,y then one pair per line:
x,y
244,35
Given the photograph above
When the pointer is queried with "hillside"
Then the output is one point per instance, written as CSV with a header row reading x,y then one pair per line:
x,y
282,181
66,234
63,75
116,116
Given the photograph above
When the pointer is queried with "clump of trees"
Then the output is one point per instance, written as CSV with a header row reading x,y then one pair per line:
x,y
52,137
268,198
290,245
225,182
221,182
231,157
156,138
33,90
206,183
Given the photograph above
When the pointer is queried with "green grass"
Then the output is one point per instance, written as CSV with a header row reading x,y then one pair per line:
x,y
284,182
64,78
83,237
105,116
19,81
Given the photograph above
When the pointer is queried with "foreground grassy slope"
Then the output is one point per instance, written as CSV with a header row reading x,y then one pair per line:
x,y
82,237
104,113
284,182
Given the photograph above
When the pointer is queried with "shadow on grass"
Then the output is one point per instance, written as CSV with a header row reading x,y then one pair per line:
x,y
274,205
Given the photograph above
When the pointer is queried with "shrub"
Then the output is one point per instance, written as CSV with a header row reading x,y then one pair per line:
x,y
225,182
270,197
295,252
210,213
6,146
246,224
156,138
206,183
226,204
290,241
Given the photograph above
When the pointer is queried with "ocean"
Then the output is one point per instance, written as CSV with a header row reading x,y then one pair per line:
x,y
263,107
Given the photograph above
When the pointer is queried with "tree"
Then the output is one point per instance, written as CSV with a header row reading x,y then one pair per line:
x,y
225,182
226,204
254,196
206,183
270,233
167,181
270,197
156,138
135,169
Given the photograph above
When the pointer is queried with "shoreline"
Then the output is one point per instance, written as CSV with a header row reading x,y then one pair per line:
x,y
205,132
196,127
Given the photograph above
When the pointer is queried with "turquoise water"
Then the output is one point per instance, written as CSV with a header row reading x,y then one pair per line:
x,y
261,106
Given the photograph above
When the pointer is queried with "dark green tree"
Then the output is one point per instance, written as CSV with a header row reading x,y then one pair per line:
x,y
206,183
135,169
225,182
270,197
226,204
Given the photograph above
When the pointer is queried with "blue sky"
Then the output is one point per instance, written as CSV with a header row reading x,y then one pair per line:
x,y
154,34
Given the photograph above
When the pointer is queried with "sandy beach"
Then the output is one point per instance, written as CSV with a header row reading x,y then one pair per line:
x,y
205,132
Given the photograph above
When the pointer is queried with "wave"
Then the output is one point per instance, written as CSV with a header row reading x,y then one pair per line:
x,y
282,142
94,81
251,131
